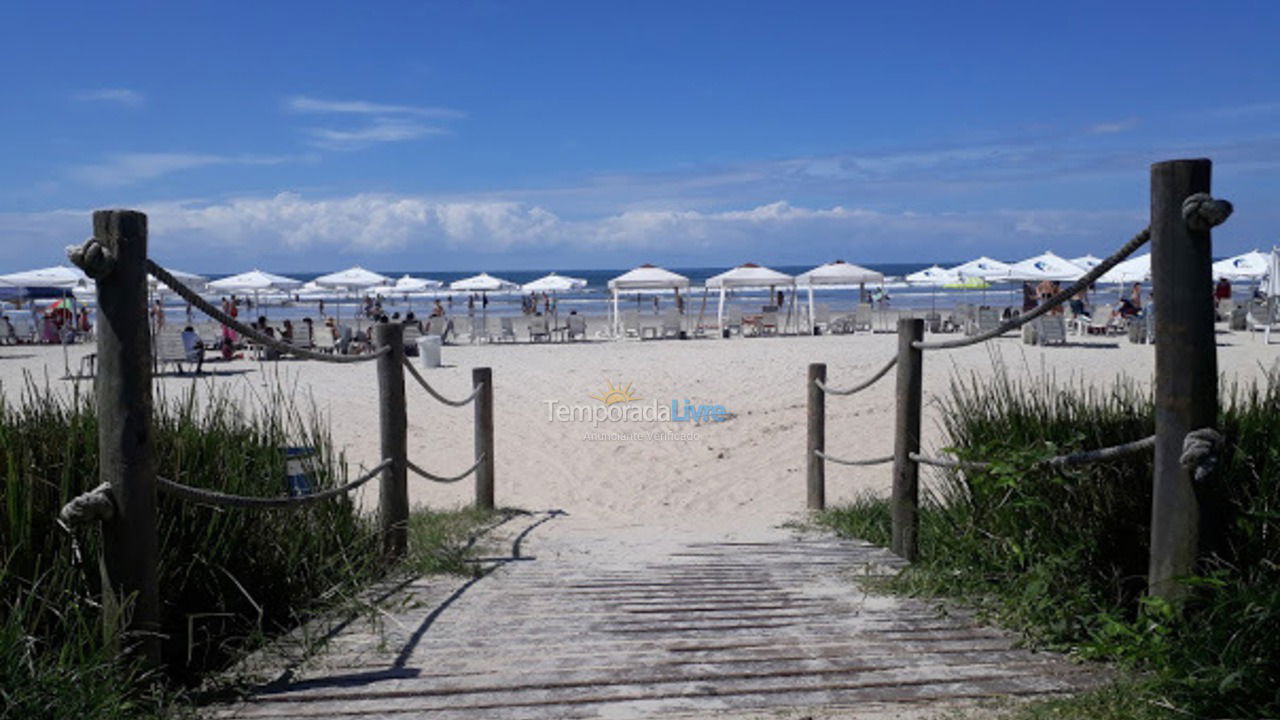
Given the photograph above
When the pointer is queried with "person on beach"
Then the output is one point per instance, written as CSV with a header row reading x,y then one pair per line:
x,y
1135,296
157,316
1080,304
484,300
1044,291
286,333
1223,290
437,310
194,347
8,336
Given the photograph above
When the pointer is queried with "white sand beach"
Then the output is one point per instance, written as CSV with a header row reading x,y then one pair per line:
x,y
747,470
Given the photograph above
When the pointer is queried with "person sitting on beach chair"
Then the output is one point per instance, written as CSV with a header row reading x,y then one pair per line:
x,y
8,336
194,347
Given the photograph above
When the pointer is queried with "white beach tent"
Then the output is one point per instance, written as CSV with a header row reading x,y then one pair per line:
x,y
484,282
983,267
355,278
1045,266
58,276
644,277
554,283
1252,265
747,275
1088,262
255,281
835,273
1135,269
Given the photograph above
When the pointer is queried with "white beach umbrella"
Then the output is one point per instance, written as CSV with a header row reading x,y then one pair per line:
x,y
354,278
747,275
406,284
255,281
554,283
1135,269
1045,266
644,277
484,282
1088,262
983,267
191,280
936,276
58,276
1252,265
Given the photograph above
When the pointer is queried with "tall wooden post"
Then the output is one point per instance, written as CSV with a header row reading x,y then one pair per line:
x,y
816,466
906,439
126,456
393,495
1186,392
482,378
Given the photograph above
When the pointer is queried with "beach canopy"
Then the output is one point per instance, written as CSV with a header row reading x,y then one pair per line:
x,y
58,276
648,277
935,276
838,272
1252,265
749,275
1088,262
554,283
1135,269
484,282
983,267
254,281
1045,266
355,277
408,284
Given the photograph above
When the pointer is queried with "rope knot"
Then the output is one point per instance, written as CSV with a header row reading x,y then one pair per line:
x,y
93,257
1200,450
94,505
1202,212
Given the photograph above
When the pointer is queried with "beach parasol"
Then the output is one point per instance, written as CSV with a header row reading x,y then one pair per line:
x,y
1249,266
1135,269
933,277
255,281
484,282
1045,266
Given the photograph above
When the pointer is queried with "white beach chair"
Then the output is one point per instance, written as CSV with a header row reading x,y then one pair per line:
x,y
169,348
479,329
1051,330
507,330
863,317
576,328
671,325
538,329
324,341
1260,319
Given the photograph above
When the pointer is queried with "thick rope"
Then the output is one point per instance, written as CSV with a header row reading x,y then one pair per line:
x,y
441,479
1062,296
1200,452
95,505
280,346
842,461
213,497
1084,457
860,386
432,391
1202,212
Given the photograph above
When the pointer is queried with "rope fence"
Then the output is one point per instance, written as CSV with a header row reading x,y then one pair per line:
x,y
203,496
862,385
843,461
441,478
475,392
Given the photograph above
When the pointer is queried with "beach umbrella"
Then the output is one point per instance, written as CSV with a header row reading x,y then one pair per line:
x,y
255,281
971,283
408,284
644,277
484,282
1135,269
933,277
983,267
186,278
554,283
1088,262
353,278
1252,265
58,276
837,273
747,275
1045,266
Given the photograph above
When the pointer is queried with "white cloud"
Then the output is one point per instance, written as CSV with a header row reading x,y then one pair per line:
x,y
380,131
119,96
128,168
1111,128
305,104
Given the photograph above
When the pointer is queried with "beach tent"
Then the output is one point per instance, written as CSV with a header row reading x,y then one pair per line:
x,y
836,273
1045,266
58,276
484,282
983,267
255,281
408,284
644,277
355,278
934,277
1135,269
554,283
1088,262
1252,265
747,275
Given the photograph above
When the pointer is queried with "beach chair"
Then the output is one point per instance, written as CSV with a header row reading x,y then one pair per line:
x,y
1102,322
507,333
169,348
1224,308
630,324
1051,330
538,329
323,340
1260,320
732,322
985,319
479,329
671,325
576,328
768,323
821,320
301,336
863,318
439,327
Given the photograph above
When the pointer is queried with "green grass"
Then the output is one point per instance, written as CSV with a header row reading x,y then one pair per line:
x,y
229,578
1061,554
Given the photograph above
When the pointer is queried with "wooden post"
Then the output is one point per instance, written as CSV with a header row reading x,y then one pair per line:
x,y
1186,390
817,467
482,377
393,495
906,439
126,457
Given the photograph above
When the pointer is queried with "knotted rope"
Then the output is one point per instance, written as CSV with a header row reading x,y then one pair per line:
x,y
842,461
441,479
432,391
860,386
1200,450
1202,212
262,338
95,505
95,259
220,499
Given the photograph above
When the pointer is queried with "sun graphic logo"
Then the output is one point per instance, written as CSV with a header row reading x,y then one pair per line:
x,y
616,394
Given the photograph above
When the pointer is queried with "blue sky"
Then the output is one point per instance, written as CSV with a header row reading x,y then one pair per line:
x,y
500,135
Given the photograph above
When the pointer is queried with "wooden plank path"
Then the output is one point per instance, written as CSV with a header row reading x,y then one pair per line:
x,y
581,622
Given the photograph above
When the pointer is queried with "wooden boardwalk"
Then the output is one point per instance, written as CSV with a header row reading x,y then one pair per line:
x,y
581,622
